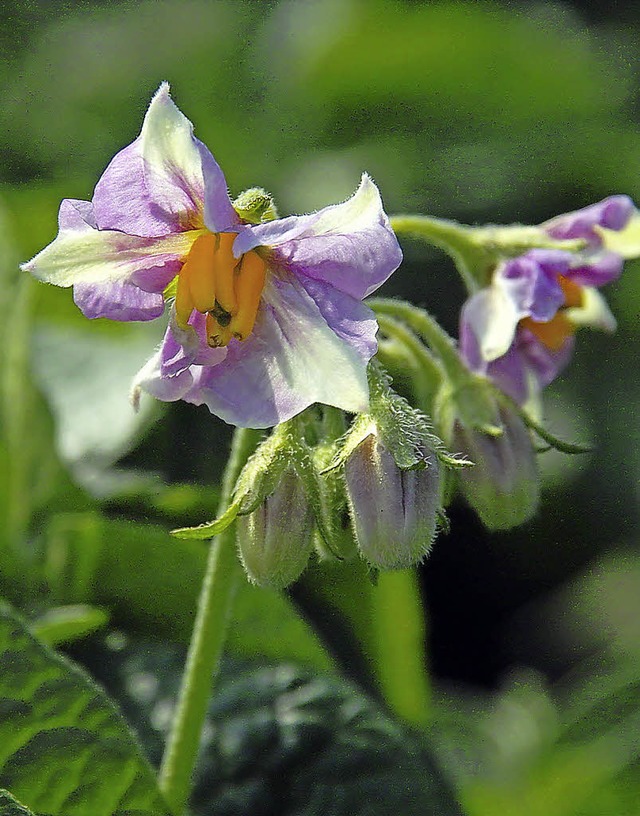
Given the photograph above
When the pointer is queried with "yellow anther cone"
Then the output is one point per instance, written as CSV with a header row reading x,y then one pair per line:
x,y
199,270
249,286
223,271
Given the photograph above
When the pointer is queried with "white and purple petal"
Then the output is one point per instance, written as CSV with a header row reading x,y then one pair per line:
x,y
612,213
82,254
349,246
117,301
308,345
597,269
165,181
528,366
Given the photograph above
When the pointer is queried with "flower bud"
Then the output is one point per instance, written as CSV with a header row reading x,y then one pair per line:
x,y
503,486
255,206
394,510
275,540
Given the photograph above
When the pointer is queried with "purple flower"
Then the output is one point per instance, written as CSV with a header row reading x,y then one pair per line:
x,y
519,330
267,318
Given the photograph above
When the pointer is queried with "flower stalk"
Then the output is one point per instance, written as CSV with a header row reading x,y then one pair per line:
x,y
207,643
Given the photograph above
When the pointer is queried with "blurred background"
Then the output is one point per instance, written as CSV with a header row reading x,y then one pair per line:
x,y
478,111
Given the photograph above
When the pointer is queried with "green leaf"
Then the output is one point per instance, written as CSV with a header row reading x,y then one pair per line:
x,y
11,807
64,624
86,376
149,582
280,739
64,749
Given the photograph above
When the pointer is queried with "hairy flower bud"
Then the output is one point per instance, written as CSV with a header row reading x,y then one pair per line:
x,y
503,486
275,540
394,510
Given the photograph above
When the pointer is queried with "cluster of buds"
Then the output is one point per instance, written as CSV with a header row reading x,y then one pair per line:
x,y
385,471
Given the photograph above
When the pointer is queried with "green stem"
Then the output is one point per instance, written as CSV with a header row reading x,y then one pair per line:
x,y
456,239
207,642
429,372
429,330
399,637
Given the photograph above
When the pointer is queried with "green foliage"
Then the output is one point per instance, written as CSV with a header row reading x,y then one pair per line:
x,y
65,750
280,740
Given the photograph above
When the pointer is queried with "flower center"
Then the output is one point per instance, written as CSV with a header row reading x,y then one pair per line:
x,y
554,332
224,288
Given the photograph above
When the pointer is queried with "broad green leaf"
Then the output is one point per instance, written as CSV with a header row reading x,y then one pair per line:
x,y
149,581
86,376
64,749
281,740
64,624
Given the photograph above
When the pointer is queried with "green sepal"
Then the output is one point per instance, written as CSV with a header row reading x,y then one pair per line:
x,y
257,480
404,430
551,440
477,251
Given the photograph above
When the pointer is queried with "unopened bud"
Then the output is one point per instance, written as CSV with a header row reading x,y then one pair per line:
x,y
394,510
503,484
275,540
255,206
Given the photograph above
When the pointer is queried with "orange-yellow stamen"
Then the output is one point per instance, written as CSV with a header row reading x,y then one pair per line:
x,y
249,286
215,283
217,335
554,332
572,291
223,267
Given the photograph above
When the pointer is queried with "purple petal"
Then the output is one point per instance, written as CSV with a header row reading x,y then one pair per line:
x,y
350,246
176,356
166,181
349,318
528,365
612,213
76,214
531,282
293,359
150,379
602,268
117,301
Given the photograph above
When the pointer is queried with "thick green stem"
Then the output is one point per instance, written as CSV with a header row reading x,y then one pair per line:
x,y
399,637
207,642
429,374
456,239
429,329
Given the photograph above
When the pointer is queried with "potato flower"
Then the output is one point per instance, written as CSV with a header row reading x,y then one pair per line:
x,y
265,318
519,330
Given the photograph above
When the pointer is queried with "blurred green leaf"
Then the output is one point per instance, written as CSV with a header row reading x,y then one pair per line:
x,y
279,739
64,748
86,377
64,624
150,581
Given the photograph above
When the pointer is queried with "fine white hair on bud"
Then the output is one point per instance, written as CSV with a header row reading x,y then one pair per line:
x,y
394,510
275,539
